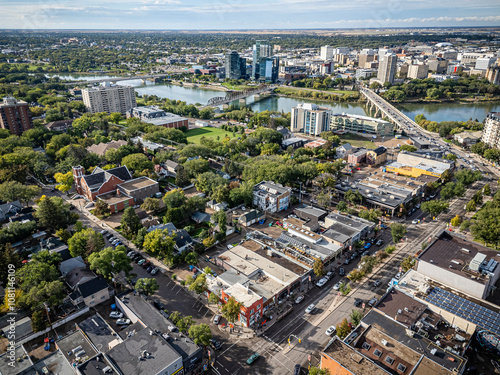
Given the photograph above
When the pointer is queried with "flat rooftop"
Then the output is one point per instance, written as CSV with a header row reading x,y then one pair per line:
x,y
456,254
401,307
359,117
18,367
73,341
95,365
372,195
350,359
126,355
138,183
99,332
242,294
417,343
112,198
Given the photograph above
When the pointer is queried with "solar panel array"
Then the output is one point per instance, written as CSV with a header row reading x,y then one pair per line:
x,y
477,314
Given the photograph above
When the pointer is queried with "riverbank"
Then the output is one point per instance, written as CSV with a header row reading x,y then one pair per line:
x,y
199,86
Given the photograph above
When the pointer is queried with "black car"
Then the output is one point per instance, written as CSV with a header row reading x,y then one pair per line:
x,y
341,271
146,264
137,259
358,302
158,305
149,269
215,344
297,369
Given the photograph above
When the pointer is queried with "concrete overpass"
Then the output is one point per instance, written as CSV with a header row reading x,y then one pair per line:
x,y
239,95
383,108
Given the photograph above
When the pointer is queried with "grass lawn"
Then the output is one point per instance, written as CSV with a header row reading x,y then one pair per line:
x,y
195,135
237,87
358,141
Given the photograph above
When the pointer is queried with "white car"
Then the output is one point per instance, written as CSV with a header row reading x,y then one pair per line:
x,y
321,282
116,314
337,286
123,322
299,299
154,271
398,275
329,275
310,308
415,221
330,331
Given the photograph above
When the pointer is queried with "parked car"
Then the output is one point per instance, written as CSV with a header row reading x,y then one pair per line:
x,y
365,254
117,244
367,245
372,302
342,271
253,358
146,264
398,275
358,302
418,205
154,271
330,331
379,242
329,275
347,261
158,305
415,221
310,308
103,232
217,319
111,239
131,253
149,269
141,262
123,322
115,241
338,285
116,314
376,283
215,344
297,369
322,282
299,299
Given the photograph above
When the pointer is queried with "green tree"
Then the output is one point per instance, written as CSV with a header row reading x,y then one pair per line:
x,y
486,227
110,262
85,242
342,206
354,197
398,231
65,181
231,310
182,176
213,299
49,292
147,286
199,285
184,323
456,221
208,242
471,206
407,263
487,189
319,268
174,199
159,244
200,334
371,214
343,329
39,320
356,317
434,208
408,148
315,370
324,199
12,190
175,317
191,258
101,208
151,204
130,222
137,162
115,117
53,213
467,177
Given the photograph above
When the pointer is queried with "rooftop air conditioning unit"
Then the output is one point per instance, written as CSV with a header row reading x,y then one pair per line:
x,y
384,342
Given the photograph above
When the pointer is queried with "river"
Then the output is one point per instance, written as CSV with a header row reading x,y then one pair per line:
x,y
432,111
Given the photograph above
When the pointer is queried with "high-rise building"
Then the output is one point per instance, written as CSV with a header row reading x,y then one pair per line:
x,y
387,68
261,48
493,75
269,69
326,53
236,66
365,56
491,131
418,71
15,116
310,119
109,98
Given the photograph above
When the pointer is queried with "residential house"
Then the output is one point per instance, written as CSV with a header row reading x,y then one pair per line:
x,y
182,239
69,265
216,206
250,217
357,157
9,209
200,217
344,150
285,132
171,167
60,125
468,138
272,197
377,156
101,148
91,292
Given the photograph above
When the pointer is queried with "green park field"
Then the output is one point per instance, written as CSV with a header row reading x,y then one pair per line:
x,y
195,135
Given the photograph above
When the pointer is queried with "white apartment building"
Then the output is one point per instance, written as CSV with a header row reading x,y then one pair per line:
x,y
418,71
326,53
387,68
310,119
109,98
483,63
491,131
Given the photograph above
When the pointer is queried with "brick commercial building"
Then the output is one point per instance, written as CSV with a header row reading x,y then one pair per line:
x,y
15,116
155,116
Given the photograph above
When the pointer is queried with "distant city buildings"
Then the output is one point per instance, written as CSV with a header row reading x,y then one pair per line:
x,y
491,131
269,69
418,71
15,116
236,66
326,53
260,49
109,98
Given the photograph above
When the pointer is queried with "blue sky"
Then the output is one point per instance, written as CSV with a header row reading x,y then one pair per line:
x,y
245,14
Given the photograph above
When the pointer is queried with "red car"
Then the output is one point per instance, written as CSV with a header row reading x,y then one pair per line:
x,y
146,264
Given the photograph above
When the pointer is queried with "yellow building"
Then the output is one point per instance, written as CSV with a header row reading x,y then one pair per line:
x,y
415,165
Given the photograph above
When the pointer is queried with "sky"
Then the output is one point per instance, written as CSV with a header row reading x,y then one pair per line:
x,y
245,14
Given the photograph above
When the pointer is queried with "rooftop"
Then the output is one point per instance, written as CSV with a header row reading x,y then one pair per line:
x,y
95,366
99,332
24,364
242,294
76,348
359,117
126,356
350,359
272,188
456,255
137,183
401,307
55,363
112,197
